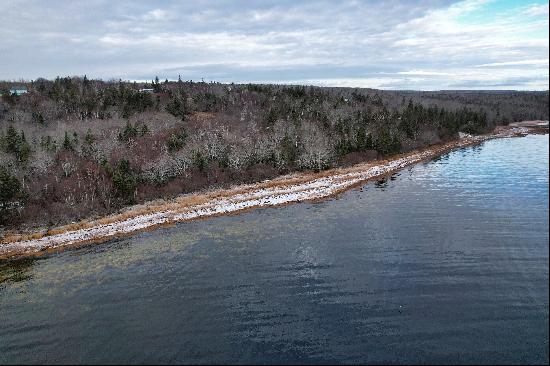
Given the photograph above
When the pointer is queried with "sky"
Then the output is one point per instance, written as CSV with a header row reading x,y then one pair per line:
x,y
393,44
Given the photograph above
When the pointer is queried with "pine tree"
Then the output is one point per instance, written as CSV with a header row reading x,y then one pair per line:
x,y
89,138
10,192
129,132
144,130
156,85
67,143
176,140
289,150
23,149
12,140
124,179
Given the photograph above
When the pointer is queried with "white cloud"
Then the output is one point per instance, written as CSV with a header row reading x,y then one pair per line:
x,y
156,14
423,73
432,44
537,10
543,62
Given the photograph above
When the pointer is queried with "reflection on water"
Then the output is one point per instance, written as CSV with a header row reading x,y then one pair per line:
x,y
17,271
446,261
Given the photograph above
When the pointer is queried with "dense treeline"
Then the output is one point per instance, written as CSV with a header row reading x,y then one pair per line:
x,y
74,147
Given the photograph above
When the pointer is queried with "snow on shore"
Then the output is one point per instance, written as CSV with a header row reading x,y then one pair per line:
x,y
311,189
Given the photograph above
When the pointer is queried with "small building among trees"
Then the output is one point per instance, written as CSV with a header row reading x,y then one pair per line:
x,y
18,90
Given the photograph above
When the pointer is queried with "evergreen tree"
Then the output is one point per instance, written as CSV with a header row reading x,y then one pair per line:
x,y
17,145
156,85
144,130
67,143
289,150
124,180
130,132
176,106
89,138
199,161
177,139
10,192
23,149
12,140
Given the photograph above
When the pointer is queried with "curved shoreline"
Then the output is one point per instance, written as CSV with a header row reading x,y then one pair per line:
x,y
279,191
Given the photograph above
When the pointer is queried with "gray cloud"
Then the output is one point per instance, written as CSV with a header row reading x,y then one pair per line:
x,y
389,44
506,82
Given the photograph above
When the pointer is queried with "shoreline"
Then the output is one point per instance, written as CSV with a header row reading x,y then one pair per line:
x,y
297,187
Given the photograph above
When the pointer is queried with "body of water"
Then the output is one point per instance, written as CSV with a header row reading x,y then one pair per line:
x,y
447,262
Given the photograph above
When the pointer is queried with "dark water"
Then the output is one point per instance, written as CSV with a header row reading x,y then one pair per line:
x,y
445,262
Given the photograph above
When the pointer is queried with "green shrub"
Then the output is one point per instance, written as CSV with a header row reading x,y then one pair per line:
x,y
10,193
177,106
129,133
199,161
124,179
289,151
176,141
17,145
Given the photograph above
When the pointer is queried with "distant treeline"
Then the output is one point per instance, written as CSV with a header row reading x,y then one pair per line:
x,y
72,147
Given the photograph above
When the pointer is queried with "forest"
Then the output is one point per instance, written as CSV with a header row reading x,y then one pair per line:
x,y
74,148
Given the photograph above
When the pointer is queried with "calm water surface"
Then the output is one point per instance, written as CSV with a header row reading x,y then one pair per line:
x,y
445,262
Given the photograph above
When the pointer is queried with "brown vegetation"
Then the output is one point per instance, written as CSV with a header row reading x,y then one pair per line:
x,y
74,149
122,224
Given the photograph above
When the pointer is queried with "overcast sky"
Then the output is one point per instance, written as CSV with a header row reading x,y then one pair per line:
x,y
401,44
